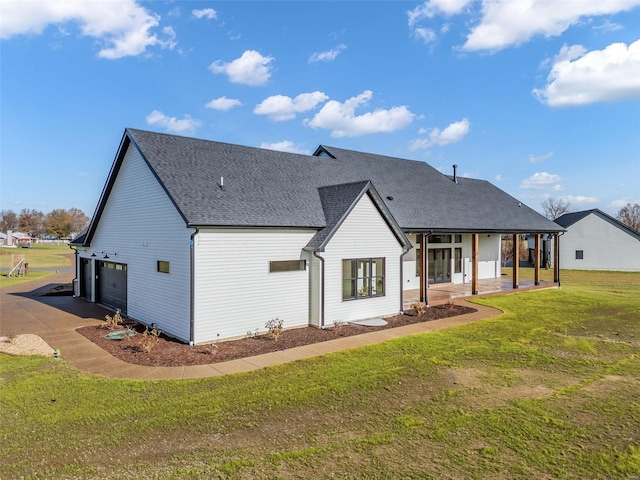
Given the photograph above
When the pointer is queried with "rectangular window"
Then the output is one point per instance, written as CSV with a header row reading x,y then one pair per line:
x,y
287,266
418,262
458,239
439,238
362,278
163,267
579,255
457,267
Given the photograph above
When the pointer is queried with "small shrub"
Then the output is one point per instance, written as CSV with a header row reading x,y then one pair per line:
x,y
419,308
274,328
338,327
149,339
113,322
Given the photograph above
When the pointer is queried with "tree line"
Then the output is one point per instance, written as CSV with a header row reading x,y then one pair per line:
x,y
57,223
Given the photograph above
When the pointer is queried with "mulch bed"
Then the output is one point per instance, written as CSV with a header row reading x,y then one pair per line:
x,y
168,352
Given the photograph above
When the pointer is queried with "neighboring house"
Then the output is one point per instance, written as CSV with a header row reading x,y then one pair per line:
x,y
209,240
597,241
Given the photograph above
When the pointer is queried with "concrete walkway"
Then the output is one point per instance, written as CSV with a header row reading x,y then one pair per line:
x,y
55,319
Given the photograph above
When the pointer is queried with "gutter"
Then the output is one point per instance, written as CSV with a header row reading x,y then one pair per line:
x,y
404,252
192,294
315,254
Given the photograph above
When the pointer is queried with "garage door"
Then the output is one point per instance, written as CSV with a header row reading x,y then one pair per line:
x,y
85,278
111,285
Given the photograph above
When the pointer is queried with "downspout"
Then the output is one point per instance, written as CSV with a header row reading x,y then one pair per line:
x,y
404,252
192,294
315,254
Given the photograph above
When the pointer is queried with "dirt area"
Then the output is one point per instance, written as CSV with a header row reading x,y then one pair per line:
x,y
168,352
25,344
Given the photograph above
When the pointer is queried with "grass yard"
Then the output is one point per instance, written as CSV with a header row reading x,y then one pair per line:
x,y
550,389
40,255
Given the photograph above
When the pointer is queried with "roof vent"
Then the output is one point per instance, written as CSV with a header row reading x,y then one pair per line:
x,y
455,174
221,184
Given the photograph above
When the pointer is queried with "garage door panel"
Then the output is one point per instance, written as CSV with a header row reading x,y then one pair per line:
x,y
111,285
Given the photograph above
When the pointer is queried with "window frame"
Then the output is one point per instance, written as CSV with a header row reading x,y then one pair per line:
x,y
361,282
160,263
281,266
579,254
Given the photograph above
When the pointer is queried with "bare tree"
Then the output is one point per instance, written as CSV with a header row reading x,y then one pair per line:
x,y
630,216
555,207
78,220
8,220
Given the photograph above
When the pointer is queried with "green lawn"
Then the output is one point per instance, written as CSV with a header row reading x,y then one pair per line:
x,y
550,389
49,256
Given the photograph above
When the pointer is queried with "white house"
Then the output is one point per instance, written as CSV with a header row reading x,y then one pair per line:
x,y
597,241
210,241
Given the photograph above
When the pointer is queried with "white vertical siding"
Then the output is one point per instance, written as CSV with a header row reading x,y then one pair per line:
x,y
604,246
409,261
235,293
488,260
141,225
489,256
363,234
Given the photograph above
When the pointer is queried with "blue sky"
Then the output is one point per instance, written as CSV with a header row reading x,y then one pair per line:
x,y
541,100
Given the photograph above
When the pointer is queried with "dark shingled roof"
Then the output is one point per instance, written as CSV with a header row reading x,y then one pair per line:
x,y
568,219
337,203
278,189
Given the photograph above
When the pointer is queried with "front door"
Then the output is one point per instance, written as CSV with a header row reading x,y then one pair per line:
x,y
439,265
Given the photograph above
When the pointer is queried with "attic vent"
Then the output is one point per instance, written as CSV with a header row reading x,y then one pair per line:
x,y
389,197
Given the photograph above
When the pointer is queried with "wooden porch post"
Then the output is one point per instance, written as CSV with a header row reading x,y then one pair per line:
x,y
425,267
474,264
556,259
536,260
516,260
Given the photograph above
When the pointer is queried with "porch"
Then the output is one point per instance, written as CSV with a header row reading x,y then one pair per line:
x,y
442,293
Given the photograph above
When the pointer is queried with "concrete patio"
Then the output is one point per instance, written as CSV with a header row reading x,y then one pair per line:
x,y
445,292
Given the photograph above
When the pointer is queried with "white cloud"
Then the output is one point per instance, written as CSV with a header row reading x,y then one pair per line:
x,y
250,69
539,158
208,13
451,134
286,146
579,77
328,56
223,103
541,181
123,28
186,125
506,23
425,34
432,8
342,120
579,199
428,10
499,178
622,202
280,107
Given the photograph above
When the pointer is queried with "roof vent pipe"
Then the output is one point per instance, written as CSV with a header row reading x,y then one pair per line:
x,y
455,174
221,184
